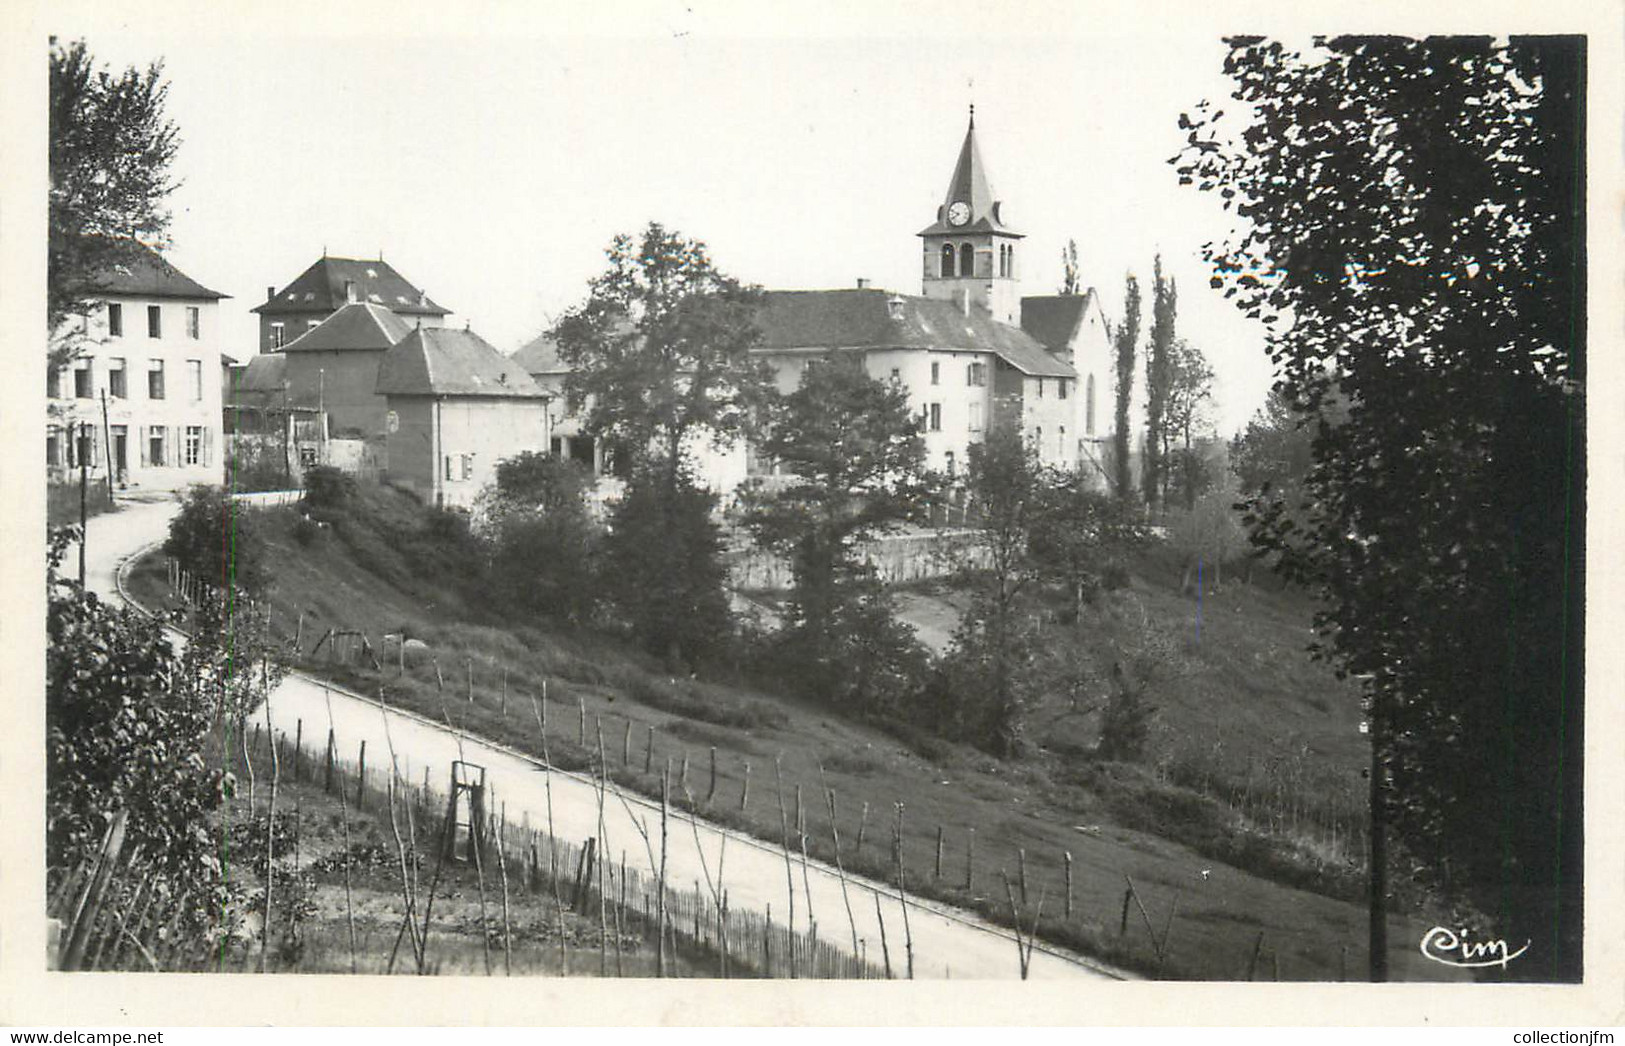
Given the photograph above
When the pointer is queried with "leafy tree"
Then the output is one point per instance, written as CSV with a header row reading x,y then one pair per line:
x,y
215,538
1080,537
853,448
1124,338
111,148
1159,373
1190,391
1071,282
1275,452
1416,207
661,350
663,567
543,541
989,665
1206,536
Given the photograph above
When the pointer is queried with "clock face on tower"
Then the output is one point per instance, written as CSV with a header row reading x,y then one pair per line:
x,y
959,213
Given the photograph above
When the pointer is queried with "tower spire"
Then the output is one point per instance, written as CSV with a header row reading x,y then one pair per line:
x,y
973,116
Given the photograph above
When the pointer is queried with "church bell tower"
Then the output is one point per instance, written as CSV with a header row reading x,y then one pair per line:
x,y
969,254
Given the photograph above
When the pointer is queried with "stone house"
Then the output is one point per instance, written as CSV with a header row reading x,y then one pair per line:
x,y
456,407
146,379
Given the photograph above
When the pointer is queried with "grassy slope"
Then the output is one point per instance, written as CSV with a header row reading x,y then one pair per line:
x,y
1245,685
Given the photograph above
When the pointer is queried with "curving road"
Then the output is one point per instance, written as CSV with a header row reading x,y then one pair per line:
x,y
947,942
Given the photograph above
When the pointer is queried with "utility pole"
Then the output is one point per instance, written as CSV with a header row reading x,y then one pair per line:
x,y
107,442
84,483
1378,871
287,433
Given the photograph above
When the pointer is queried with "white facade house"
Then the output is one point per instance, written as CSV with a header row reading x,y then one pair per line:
x,y
141,402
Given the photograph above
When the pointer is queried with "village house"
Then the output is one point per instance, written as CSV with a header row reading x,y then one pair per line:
x,y
456,407
146,380
330,284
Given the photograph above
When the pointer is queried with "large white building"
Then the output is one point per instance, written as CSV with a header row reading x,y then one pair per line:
x,y
141,400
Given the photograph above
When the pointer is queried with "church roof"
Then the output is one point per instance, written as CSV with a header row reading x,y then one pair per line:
x,y
863,319
321,288
1054,319
435,361
356,326
969,185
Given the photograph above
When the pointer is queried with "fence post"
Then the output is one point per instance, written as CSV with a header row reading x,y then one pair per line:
x,y
937,872
744,791
361,777
711,791
298,749
626,745
1068,855
327,773
970,861
649,750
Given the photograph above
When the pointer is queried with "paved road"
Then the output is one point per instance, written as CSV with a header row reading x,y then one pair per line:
x,y
947,942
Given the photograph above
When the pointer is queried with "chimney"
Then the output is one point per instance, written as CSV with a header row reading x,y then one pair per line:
x,y
863,283
270,293
349,291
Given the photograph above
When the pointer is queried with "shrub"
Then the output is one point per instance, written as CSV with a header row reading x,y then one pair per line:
x,y
1125,726
329,489
215,539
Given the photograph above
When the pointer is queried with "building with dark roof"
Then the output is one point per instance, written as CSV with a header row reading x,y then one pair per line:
x,y
141,401
331,283
333,368
970,351
456,407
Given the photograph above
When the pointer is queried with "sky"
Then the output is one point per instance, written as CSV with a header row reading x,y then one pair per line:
x,y
491,158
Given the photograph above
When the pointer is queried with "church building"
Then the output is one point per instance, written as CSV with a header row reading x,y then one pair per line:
x,y
970,349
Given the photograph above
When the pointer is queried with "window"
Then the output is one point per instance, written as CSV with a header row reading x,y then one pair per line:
x,y
117,385
947,261
194,445
53,383
83,385
1062,393
967,260
1040,388
976,374
194,376
449,470
155,446
897,374
85,447
936,417
936,373
976,417
307,457
192,322
155,321
53,447
277,333
115,319
1089,407
1038,439
468,466
155,380
948,460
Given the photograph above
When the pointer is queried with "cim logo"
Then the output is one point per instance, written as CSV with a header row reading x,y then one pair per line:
x,y
1443,945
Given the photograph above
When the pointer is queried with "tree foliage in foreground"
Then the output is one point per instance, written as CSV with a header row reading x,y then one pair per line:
x,y
111,148
215,537
1417,209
